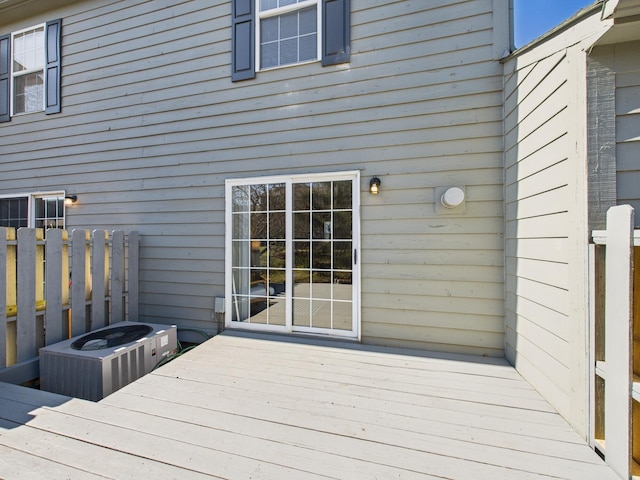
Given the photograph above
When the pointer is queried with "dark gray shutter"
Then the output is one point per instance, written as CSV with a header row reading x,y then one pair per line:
x,y
52,67
5,77
336,32
242,40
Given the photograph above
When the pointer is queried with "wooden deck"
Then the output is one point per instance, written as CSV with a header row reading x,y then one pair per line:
x,y
260,406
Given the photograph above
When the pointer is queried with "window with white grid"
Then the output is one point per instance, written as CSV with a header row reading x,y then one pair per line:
x,y
28,63
288,32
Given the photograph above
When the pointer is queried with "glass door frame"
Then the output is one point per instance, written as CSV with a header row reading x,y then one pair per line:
x,y
289,181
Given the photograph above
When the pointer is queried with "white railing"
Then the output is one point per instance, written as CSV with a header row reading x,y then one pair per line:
x,y
53,288
616,342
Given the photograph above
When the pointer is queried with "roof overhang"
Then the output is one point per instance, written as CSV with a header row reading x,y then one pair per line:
x,y
625,15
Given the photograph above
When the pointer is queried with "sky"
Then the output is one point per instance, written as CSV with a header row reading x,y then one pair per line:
x,y
535,17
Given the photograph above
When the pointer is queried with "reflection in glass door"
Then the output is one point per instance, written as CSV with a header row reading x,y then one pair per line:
x,y
291,254
322,255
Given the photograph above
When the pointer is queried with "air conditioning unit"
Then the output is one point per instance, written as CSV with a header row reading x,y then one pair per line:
x,y
96,364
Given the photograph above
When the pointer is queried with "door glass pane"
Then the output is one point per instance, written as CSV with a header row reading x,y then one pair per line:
x,y
342,195
259,254
321,196
327,251
301,225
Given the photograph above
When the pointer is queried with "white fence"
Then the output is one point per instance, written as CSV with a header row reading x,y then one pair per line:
x,y
53,288
616,342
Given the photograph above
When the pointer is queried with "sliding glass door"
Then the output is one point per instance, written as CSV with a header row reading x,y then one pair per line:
x,y
292,246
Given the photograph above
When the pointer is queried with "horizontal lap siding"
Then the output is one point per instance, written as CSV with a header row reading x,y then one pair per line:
x,y
537,211
628,126
152,126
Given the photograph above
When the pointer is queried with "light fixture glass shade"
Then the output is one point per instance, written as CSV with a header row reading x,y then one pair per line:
x,y
374,186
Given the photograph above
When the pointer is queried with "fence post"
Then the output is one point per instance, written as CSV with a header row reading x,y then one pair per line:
x,y
618,338
100,278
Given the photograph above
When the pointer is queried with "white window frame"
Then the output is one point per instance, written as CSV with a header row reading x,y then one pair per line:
x,y
26,72
275,12
289,180
31,210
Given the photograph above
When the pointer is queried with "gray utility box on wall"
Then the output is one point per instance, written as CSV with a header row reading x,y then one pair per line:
x,y
96,364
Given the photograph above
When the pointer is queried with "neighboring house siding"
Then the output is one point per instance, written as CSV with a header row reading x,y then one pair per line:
x,y
546,255
627,83
151,127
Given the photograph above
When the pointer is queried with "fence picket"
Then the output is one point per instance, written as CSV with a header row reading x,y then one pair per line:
x,y
26,316
117,277
134,277
4,237
55,277
80,266
100,278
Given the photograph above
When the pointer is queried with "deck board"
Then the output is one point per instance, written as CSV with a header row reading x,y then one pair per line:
x,y
265,406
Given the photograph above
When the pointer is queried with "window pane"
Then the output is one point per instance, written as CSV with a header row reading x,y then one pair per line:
x,y
277,255
342,256
240,226
258,225
322,225
321,255
288,51
277,225
258,198
13,212
321,196
301,226
277,197
269,30
28,93
288,38
301,196
342,194
342,225
240,196
308,22
269,55
28,50
301,256
308,48
268,4
289,25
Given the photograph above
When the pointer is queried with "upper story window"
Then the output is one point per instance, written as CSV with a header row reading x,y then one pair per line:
x,y
273,33
288,32
30,70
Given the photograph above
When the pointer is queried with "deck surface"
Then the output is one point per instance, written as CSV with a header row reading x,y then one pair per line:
x,y
270,407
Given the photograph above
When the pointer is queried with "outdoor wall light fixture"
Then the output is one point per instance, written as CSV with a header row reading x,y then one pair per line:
x,y
374,186
70,199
